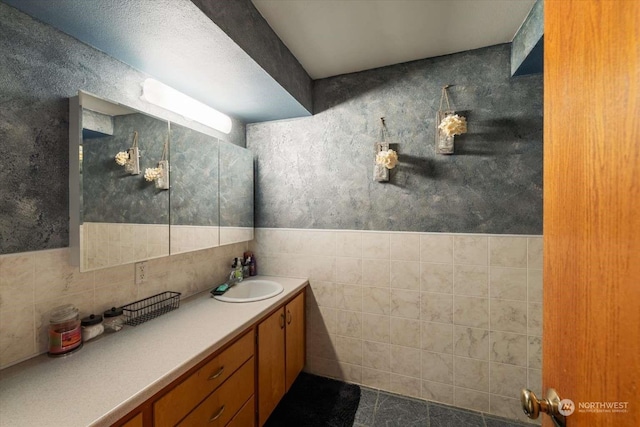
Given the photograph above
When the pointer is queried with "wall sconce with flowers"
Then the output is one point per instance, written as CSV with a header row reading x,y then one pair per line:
x,y
386,159
449,124
160,174
130,159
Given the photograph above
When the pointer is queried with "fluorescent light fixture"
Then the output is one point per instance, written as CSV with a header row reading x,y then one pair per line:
x,y
170,99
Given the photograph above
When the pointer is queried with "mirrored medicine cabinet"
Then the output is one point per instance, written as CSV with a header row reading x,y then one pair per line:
x,y
187,191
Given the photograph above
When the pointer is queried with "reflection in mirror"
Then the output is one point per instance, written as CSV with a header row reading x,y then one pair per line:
x,y
194,190
118,217
123,217
236,194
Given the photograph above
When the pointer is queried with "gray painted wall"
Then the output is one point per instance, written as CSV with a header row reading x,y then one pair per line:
x,y
110,194
244,25
527,48
236,187
317,172
40,68
194,178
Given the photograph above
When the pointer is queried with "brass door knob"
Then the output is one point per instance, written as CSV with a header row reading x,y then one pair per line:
x,y
532,406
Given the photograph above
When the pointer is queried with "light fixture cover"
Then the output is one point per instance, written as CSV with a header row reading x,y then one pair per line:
x,y
170,99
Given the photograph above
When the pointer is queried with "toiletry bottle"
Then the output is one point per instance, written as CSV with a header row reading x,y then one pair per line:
x,y
252,266
245,267
237,264
91,327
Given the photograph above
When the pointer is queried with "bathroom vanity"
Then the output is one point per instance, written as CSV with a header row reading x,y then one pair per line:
x,y
207,363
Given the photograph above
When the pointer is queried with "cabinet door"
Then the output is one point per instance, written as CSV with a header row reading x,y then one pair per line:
x,y
135,421
295,339
271,364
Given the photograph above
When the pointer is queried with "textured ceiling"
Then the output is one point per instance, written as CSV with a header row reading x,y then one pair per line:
x,y
177,44
332,37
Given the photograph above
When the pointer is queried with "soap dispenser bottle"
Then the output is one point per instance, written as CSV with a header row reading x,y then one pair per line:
x,y
245,267
237,267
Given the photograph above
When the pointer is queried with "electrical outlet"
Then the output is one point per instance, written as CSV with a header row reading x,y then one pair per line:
x,y
141,272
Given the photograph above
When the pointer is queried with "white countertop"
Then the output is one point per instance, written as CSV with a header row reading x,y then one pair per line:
x,y
115,373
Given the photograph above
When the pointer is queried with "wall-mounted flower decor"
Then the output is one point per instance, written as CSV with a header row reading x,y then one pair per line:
x,y
130,159
385,159
388,159
151,174
122,158
160,174
449,124
453,124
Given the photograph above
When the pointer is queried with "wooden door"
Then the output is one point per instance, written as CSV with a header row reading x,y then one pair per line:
x,y
271,364
295,339
591,339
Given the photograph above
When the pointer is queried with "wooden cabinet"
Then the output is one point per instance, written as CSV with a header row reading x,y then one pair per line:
x,y
135,421
246,416
223,385
294,339
271,364
221,390
139,417
226,401
280,354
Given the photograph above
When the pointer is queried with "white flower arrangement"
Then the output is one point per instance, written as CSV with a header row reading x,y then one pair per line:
x,y
453,124
388,159
122,158
151,174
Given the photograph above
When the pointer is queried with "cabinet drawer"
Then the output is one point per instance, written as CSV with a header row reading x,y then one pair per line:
x,y
173,406
246,417
226,401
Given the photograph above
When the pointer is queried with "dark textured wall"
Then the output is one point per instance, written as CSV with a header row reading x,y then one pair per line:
x,y
236,186
40,68
527,48
244,24
317,172
194,177
112,195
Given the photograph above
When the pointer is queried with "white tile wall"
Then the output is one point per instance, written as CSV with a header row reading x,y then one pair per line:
x,y
111,244
454,318
187,238
33,283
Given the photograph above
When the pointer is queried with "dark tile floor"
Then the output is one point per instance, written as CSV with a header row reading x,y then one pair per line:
x,y
380,409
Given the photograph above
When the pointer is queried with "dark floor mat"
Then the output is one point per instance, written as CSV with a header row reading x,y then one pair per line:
x,y
317,402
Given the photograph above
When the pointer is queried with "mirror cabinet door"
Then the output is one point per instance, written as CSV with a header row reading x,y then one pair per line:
x,y
124,218
194,190
118,216
236,194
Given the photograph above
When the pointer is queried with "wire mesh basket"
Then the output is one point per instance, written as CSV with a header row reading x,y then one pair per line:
x,y
149,308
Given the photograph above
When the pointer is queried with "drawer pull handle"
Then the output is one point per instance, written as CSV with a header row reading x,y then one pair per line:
x,y
217,374
288,317
281,320
217,415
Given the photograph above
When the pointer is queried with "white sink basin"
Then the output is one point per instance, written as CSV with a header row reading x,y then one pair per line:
x,y
251,290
